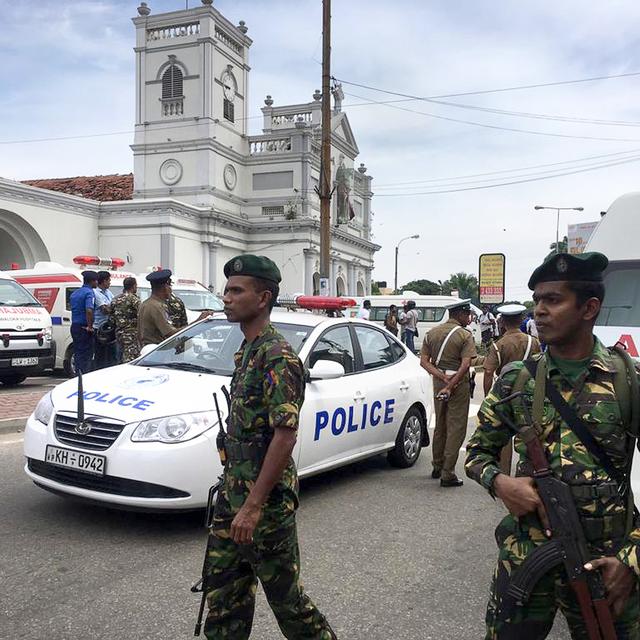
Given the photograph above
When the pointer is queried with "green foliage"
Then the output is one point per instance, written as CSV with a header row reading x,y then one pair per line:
x,y
465,283
423,287
375,289
563,245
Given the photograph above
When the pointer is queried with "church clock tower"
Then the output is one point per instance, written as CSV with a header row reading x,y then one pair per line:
x,y
191,103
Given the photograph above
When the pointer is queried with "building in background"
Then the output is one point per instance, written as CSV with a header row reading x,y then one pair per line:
x,y
203,189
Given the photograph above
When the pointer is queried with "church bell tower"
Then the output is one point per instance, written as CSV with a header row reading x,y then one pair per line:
x,y
191,103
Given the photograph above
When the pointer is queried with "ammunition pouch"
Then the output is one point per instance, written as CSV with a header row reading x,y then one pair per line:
x,y
243,450
594,491
599,529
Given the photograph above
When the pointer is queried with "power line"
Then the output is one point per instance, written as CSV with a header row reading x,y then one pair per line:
x,y
505,184
497,127
389,185
501,90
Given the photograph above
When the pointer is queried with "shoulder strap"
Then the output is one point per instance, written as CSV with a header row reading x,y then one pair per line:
x,y
444,344
528,350
571,418
625,383
495,346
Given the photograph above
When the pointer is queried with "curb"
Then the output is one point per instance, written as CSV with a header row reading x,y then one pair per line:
x,y
13,425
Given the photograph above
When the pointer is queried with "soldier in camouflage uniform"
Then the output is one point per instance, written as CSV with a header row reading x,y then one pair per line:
x,y
177,312
568,293
124,311
254,526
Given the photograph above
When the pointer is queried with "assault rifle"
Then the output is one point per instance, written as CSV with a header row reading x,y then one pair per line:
x,y
567,547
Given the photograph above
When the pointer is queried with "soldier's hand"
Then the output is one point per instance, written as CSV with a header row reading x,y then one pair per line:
x,y
244,524
619,581
205,314
521,497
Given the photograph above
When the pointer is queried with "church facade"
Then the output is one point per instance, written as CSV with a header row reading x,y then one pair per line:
x,y
203,189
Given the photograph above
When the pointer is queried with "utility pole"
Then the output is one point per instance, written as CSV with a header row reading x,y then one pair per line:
x,y
325,152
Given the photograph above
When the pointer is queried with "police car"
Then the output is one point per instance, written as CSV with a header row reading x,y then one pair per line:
x,y
147,440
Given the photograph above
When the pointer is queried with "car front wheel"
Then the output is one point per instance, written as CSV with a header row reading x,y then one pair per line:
x,y
408,441
12,379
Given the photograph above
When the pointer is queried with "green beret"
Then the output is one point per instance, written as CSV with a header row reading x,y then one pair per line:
x,y
582,267
256,266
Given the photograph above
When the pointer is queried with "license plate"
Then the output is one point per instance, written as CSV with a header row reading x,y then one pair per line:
x,y
87,462
23,362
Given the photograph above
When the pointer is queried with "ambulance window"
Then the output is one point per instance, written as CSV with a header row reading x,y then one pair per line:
x,y
375,348
67,295
430,314
621,306
334,345
377,314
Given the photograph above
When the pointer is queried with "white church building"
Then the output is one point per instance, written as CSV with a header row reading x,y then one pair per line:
x,y
203,189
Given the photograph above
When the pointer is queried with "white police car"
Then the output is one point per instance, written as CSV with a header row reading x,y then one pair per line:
x,y
148,438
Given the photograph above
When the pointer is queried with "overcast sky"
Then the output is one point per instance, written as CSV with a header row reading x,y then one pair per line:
x,y
69,70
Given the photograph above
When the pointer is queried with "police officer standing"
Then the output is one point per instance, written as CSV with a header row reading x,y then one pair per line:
x,y
82,303
124,311
153,316
576,372
104,347
446,354
254,525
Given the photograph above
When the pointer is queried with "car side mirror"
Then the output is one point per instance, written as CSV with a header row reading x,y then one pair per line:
x,y
148,348
326,370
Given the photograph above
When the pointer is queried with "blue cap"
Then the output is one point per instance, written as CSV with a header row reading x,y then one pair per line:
x,y
160,277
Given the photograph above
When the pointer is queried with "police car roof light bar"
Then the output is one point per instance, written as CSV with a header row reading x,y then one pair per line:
x,y
317,303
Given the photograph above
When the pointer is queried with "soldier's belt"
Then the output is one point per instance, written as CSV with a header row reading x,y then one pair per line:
x,y
604,527
239,451
594,491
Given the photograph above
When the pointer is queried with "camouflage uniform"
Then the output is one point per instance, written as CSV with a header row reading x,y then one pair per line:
x,y
177,312
267,391
603,517
124,311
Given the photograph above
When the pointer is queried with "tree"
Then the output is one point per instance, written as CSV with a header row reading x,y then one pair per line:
x,y
375,289
423,287
465,284
563,246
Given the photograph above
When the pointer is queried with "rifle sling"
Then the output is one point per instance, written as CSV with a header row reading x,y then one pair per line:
x,y
575,423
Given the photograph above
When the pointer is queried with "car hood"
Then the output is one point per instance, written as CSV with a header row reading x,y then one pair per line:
x,y
133,393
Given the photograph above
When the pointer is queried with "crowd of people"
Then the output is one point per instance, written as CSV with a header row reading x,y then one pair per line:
x,y
108,330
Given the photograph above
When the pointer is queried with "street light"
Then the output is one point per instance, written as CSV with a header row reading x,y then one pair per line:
x,y
558,210
395,280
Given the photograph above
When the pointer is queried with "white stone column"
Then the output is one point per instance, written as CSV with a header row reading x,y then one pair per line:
x,y
367,281
213,268
205,263
309,260
351,279
332,282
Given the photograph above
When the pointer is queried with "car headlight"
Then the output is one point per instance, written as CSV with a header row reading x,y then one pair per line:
x,y
46,334
180,428
44,409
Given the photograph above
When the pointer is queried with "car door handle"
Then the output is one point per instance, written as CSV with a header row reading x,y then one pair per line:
x,y
359,396
404,386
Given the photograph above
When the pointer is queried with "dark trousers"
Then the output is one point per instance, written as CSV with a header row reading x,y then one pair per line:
x,y
105,355
82,348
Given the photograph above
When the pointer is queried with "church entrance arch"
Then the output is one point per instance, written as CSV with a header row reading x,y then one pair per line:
x,y
340,287
316,284
360,289
20,243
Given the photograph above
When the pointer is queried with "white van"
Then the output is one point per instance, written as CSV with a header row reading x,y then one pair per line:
x,y
52,285
26,345
617,237
432,311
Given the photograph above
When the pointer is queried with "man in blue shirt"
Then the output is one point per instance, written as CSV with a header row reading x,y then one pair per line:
x,y
105,351
82,307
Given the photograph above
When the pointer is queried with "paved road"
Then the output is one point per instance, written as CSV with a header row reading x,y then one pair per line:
x,y
386,554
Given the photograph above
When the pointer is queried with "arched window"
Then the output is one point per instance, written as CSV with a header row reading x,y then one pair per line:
x,y
172,82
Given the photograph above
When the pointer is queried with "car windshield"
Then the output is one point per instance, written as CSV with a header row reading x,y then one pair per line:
x,y
198,300
142,292
209,346
14,295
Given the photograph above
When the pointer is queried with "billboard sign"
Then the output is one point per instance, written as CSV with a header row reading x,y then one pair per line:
x,y
491,278
579,235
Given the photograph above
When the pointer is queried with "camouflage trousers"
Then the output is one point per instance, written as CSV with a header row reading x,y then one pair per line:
x,y
233,572
534,620
128,345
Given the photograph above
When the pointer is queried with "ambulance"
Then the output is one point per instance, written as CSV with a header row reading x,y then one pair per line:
x,y
52,284
617,237
25,332
142,435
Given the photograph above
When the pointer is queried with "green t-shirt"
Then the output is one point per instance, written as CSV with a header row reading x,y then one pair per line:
x,y
571,370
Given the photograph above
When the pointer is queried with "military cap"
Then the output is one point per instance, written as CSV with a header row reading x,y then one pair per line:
x,y
459,305
581,267
159,277
512,309
255,266
89,275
